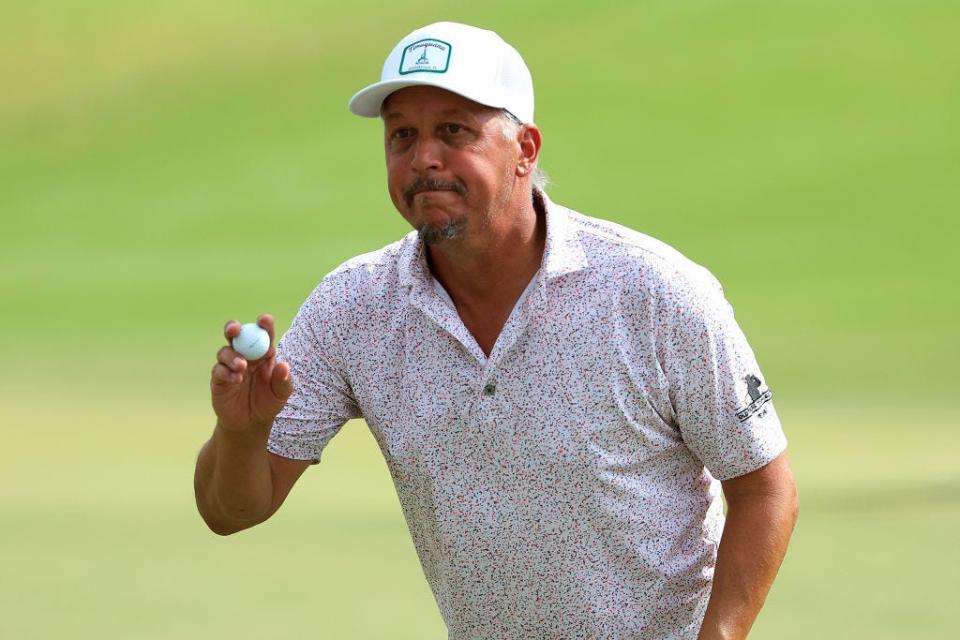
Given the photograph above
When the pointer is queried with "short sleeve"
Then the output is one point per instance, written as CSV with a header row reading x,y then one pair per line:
x,y
322,401
722,404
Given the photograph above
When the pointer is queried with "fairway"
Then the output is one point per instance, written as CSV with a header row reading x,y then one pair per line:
x,y
165,167
102,528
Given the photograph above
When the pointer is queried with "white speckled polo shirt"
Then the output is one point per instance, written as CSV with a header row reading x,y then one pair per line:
x,y
566,486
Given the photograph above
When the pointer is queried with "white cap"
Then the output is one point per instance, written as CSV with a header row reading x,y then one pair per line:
x,y
475,63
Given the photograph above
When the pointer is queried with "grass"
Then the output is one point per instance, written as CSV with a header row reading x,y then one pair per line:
x,y
100,527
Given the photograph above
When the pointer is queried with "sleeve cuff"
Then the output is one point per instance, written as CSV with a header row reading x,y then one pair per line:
x,y
299,440
752,461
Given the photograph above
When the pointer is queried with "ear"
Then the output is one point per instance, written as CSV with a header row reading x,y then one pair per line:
x,y
530,141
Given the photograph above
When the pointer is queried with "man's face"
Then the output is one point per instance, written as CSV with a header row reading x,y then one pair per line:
x,y
450,170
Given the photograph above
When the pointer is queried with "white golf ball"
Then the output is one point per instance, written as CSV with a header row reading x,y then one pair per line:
x,y
252,342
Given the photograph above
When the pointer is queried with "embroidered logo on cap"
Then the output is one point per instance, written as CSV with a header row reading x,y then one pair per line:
x,y
430,56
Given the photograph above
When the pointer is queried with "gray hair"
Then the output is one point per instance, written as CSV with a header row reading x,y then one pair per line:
x,y
509,126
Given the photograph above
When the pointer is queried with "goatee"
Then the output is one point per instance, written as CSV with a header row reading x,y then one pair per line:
x,y
432,234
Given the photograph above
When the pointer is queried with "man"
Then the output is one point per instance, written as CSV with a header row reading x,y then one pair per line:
x,y
558,398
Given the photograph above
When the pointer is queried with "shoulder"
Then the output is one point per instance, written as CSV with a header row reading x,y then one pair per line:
x,y
372,269
367,280
640,263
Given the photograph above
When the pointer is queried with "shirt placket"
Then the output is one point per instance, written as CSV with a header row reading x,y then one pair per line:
x,y
490,385
487,385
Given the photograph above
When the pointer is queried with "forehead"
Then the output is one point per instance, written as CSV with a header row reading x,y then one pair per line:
x,y
430,101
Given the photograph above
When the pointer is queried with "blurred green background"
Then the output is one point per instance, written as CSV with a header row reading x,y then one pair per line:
x,y
166,166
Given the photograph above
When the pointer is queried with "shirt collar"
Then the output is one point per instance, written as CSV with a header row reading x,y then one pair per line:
x,y
562,253
411,262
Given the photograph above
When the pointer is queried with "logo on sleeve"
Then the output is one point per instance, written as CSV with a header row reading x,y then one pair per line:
x,y
430,56
757,397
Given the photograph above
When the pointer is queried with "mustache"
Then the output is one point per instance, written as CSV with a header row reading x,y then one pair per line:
x,y
430,184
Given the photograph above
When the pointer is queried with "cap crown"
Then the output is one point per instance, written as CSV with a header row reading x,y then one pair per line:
x,y
475,63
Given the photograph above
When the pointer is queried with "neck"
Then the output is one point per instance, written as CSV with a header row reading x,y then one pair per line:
x,y
491,269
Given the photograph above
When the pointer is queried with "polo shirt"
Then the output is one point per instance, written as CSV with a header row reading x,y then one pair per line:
x,y
566,486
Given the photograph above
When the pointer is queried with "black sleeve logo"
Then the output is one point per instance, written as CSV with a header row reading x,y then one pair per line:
x,y
756,398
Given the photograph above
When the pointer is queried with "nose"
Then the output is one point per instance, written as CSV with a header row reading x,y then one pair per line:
x,y
427,156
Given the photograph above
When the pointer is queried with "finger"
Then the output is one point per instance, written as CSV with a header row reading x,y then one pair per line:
x,y
222,375
231,330
233,360
281,382
265,320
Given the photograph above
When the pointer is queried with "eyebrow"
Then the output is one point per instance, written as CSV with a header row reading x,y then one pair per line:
x,y
456,111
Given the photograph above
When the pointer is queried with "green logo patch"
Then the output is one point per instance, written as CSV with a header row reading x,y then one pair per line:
x,y
428,55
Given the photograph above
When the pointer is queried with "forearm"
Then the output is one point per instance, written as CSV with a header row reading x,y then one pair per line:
x,y
752,547
232,482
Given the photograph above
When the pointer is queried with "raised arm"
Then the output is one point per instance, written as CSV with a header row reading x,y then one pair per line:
x,y
238,483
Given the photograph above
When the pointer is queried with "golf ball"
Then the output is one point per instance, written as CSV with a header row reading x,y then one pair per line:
x,y
252,342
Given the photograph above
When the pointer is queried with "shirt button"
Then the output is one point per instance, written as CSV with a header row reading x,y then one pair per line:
x,y
489,389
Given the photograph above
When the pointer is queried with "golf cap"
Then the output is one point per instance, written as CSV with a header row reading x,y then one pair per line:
x,y
475,63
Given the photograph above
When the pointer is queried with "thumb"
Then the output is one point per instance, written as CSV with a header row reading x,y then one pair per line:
x,y
281,382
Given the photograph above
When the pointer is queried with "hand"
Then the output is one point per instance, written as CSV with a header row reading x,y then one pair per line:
x,y
248,395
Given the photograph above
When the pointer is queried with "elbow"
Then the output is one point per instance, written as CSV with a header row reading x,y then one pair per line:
x,y
217,527
218,518
222,531
223,528
221,524
789,506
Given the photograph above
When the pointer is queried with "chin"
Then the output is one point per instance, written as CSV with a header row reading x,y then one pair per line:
x,y
432,234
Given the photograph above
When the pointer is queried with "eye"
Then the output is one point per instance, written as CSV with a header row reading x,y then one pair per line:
x,y
401,133
452,128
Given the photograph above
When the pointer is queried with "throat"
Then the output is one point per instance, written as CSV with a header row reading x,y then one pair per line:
x,y
485,327
487,274
485,318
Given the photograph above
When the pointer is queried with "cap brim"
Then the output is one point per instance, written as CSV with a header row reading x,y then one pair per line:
x,y
367,101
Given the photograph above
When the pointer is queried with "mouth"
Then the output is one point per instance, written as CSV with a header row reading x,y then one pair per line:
x,y
431,187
